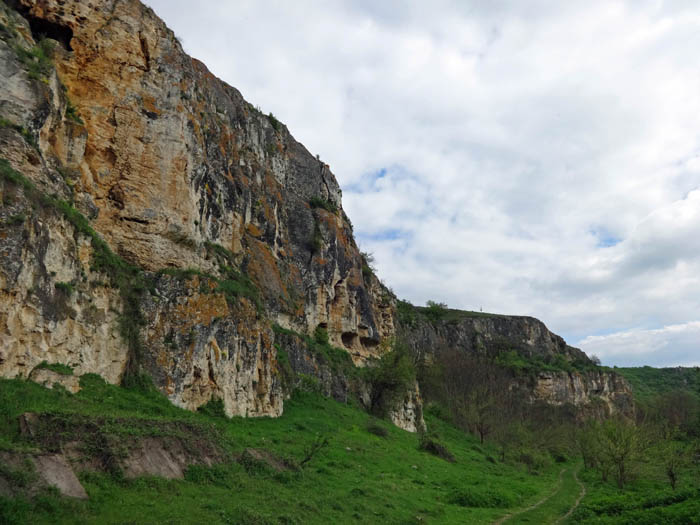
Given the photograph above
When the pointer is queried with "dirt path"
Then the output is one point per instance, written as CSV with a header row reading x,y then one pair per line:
x,y
578,500
534,505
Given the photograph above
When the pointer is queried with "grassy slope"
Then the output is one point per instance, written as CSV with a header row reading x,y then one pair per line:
x,y
647,501
556,506
359,477
648,382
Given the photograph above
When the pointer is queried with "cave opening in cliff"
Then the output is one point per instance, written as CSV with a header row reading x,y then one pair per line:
x,y
42,28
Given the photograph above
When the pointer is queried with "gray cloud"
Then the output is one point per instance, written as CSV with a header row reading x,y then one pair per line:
x,y
540,158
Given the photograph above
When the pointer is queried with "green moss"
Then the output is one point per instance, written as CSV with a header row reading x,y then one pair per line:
x,y
336,358
26,134
316,242
59,368
16,220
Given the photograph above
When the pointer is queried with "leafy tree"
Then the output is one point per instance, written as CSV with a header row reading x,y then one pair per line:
x,y
393,375
621,444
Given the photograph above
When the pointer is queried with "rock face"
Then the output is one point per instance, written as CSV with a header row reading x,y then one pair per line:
x,y
594,391
174,170
604,393
486,333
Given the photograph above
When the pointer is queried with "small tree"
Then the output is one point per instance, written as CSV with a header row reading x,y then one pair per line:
x,y
587,444
621,446
674,457
391,378
435,311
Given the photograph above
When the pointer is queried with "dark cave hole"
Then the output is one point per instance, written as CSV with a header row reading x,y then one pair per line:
x,y
42,28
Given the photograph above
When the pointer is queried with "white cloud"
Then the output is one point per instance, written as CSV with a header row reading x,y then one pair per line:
x,y
678,344
541,158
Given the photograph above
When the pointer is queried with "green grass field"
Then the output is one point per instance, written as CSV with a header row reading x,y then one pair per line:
x,y
359,477
370,472
647,501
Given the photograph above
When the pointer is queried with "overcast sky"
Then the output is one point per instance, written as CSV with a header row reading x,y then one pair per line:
x,y
533,158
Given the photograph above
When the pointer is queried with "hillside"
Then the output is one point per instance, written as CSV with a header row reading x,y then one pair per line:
x,y
189,332
648,382
369,470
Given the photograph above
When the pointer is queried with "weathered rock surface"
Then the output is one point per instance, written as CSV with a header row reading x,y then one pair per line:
x,y
603,392
49,378
24,473
408,412
487,334
172,167
55,471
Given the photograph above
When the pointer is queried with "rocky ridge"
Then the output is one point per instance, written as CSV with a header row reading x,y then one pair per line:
x,y
566,376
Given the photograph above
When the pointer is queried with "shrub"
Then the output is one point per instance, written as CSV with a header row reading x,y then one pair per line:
x,y
16,220
368,268
276,124
26,134
66,288
321,335
483,497
37,59
434,447
390,379
318,202
374,427
72,113
406,313
316,241
213,408
435,311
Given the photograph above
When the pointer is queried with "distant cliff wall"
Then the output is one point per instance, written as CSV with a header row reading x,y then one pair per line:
x,y
558,375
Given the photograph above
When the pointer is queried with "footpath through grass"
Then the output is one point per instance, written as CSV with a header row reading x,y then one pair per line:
x,y
360,477
555,506
646,501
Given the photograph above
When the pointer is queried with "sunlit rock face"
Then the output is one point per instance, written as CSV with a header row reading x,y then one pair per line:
x,y
170,165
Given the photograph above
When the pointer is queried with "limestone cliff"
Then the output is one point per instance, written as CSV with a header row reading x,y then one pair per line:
x,y
559,374
218,224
